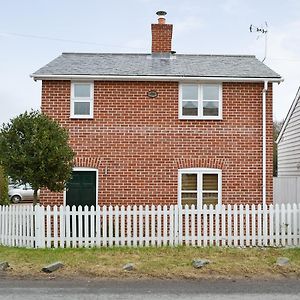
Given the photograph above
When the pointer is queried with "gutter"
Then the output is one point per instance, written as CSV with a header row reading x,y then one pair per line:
x,y
264,136
264,167
153,78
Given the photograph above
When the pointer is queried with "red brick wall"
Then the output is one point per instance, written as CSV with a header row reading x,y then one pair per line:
x,y
161,37
142,142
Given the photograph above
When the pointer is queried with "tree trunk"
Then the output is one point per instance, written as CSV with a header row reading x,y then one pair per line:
x,y
35,197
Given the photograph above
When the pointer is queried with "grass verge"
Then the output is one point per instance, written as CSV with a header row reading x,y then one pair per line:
x,y
166,262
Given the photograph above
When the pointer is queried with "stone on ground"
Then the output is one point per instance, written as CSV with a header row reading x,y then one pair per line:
x,y
128,267
199,263
282,261
3,265
53,267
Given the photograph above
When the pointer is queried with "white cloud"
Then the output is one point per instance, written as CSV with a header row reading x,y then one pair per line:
x,y
284,57
137,45
189,24
234,6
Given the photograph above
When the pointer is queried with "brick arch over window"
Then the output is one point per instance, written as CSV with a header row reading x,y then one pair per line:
x,y
90,162
214,163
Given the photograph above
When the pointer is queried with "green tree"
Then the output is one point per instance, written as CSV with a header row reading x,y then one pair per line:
x,y
276,130
34,149
3,187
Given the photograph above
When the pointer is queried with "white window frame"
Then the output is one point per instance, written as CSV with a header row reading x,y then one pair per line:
x,y
82,99
200,172
200,100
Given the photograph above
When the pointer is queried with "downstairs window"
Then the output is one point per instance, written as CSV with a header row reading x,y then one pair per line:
x,y
200,186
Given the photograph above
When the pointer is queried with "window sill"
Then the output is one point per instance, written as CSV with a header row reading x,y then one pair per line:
x,y
201,118
82,117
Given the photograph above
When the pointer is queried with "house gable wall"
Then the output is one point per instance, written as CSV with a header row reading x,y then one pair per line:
x,y
138,143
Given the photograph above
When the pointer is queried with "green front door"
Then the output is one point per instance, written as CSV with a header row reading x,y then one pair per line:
x,y
81,190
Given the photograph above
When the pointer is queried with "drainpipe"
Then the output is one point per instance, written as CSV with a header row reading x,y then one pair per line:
x,y
264,96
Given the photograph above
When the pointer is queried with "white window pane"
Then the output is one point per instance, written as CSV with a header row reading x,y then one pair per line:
x,y
189,108
81,90
210,108
210,92
190,92
189,182
210,182
210,198
189,199
82,108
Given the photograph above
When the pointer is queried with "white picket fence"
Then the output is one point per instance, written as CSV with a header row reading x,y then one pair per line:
x,y
237,225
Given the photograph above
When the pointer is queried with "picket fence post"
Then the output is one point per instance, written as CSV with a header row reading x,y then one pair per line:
x,y
39,226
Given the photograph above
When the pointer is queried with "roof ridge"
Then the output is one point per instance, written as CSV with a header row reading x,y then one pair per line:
x,y
143,54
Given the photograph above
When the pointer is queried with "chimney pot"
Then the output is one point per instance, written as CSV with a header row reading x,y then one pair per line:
x,y
161,13
161,17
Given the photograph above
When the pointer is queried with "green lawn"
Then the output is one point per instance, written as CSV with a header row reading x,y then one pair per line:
x,y
153,262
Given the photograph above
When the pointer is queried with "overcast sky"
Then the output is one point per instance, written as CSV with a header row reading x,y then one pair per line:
x,y
33,32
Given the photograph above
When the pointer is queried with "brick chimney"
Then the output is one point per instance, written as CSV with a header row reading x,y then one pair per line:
x,y
161,35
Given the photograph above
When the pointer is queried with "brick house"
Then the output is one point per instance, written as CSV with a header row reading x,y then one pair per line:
x,y
163,128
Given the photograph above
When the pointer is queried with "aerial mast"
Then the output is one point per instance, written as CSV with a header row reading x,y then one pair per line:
x,y
262,30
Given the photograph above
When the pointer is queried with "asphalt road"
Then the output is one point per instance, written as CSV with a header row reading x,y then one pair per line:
x,y
149,289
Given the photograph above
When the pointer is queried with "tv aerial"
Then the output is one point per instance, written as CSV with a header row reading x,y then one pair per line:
x,y
261,31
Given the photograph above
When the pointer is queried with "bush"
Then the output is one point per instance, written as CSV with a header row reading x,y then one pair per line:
x,y
34,149
3,187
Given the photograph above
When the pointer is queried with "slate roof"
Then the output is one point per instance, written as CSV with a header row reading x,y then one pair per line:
x,y
181,65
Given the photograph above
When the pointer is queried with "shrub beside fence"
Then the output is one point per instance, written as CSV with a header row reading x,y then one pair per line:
x,y
138,226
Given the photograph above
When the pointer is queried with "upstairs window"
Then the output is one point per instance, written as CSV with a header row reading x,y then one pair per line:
x,y
199,187
200,101
82,100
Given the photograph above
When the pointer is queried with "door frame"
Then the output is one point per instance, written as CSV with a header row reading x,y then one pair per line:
x,y
84,169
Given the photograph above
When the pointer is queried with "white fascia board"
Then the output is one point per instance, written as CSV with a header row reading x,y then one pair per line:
x,y
287,119
152,78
